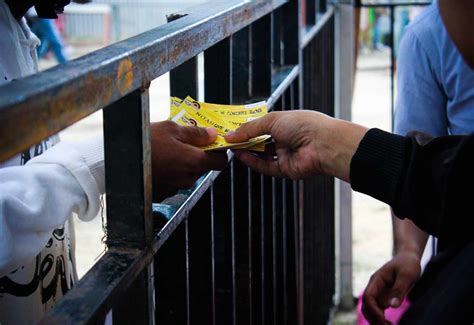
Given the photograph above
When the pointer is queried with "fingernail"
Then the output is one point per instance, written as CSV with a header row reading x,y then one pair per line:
x,y
211,131
230,133
394,302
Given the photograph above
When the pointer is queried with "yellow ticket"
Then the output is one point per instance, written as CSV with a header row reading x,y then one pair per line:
x,y
235,114
223,118
175,107
207,118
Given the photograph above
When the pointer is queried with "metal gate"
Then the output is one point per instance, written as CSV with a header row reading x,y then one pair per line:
x,y
240,248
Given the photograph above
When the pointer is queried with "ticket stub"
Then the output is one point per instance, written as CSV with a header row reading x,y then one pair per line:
x,y
223,118
174,107
233,114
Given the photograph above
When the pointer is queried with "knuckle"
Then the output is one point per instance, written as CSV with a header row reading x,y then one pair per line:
x,y
167,125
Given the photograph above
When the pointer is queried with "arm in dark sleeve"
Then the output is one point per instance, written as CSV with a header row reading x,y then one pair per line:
x,y
429,180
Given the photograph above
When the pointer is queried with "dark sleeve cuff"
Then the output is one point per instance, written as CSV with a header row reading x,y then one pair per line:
x,y
377,165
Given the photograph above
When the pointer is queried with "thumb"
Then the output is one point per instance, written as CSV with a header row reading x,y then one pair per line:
x,y
255,128
399,290
197,136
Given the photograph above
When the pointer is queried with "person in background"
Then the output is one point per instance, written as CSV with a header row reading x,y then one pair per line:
x,y
435,96
41,188
49,35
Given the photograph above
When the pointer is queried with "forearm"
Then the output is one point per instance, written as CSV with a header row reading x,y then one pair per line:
x,y
337,143
421,179
40,196
408,237
34,201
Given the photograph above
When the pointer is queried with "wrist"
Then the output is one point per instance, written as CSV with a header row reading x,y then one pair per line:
x,y
338,145
410,249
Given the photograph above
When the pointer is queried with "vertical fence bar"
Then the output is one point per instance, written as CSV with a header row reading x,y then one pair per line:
x,y
318,233
256,245
276,43
311,9
261,80
392,65
290,33
170,280
200,261
262,52
218,81
267,239
128,188
241,66
184,79
344,55
242,230
292,233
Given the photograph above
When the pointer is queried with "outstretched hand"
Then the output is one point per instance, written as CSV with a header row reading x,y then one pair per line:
x,y
177,162
307,143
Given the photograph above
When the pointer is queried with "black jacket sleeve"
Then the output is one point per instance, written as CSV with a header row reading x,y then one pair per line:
x,y
428,180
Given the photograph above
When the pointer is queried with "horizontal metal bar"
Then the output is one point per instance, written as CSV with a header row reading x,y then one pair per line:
x,y
183,211
281,81
101,286
310,33
381,4
43,104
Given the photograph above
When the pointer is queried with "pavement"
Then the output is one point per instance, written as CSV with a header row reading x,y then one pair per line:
x,y
372,237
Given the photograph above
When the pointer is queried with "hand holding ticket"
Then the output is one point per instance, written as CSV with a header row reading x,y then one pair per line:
x,y
223,118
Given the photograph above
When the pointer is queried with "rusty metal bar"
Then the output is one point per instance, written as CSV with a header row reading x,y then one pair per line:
x,y
100,288
43,104
129,194
128,166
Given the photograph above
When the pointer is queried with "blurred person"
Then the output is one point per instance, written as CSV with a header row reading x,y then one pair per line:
x,y
42,187
49,35
435,96
422,178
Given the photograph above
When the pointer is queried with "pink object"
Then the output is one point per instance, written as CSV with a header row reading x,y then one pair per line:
x,y
393,315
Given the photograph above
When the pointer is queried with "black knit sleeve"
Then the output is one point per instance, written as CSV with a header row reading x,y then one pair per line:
x,y
428,180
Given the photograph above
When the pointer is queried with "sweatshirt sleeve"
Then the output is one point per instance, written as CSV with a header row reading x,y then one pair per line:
x,y
40,196
428,180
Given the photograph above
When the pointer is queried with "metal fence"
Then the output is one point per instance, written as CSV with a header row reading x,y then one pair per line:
x,y
239,248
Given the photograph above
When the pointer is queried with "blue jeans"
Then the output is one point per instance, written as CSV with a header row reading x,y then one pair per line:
x,y
50,39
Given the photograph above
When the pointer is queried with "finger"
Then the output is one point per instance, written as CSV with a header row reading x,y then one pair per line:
x,y
253,129
373,306
197,136
269,168
372,311
400,289
212,161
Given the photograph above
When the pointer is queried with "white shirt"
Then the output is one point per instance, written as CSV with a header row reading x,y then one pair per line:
x,y
37,200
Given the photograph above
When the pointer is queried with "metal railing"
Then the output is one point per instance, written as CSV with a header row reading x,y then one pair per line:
x,y
239,248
